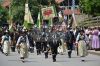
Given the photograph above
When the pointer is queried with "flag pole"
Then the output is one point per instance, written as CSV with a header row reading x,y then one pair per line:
x,y
10,23
10,13
73,14
50,20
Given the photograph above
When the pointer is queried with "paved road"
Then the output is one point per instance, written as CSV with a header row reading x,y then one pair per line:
x,y
62,60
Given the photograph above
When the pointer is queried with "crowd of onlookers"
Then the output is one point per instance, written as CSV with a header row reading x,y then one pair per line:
x,y
93,34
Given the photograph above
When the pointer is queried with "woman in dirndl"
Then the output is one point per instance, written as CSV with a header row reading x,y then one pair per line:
x,y
82,42
95,39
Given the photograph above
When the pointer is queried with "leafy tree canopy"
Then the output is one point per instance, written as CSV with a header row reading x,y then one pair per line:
x,y
3,16
91,7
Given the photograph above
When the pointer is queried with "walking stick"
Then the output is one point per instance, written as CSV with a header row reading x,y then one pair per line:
x,y
77,49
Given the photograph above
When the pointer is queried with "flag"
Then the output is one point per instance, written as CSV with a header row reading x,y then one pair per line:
x,y
60,15
50,22
11,29
54,7
59,1
48,12
39,21
11,24
28,21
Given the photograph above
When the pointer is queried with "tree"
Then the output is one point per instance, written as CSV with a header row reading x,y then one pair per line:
x,y
17,11
91,7
3,16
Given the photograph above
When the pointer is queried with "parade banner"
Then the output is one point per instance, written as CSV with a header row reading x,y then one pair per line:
x,y
11,29
70,12
48,12
28,21
39,21
59,1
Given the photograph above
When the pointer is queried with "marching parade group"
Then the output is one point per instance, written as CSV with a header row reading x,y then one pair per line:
x,y
50,41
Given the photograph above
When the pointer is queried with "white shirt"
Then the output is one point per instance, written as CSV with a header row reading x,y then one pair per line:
x,y
3,37
27,41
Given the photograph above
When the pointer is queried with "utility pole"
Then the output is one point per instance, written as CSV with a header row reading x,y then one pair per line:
x,y
68,14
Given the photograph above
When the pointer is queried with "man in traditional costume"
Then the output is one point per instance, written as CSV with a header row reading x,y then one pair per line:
x,y
6,42
53,42
23,45
82,42
69,39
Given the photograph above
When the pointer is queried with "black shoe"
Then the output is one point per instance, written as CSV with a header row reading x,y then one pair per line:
x,y
46,54
37,53
83,60
6,54
18,52
46,57
31,51
2,52
21,57
23,61
54,60
69,54
13,49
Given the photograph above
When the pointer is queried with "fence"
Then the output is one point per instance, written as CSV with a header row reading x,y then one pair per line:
x,y
94,21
